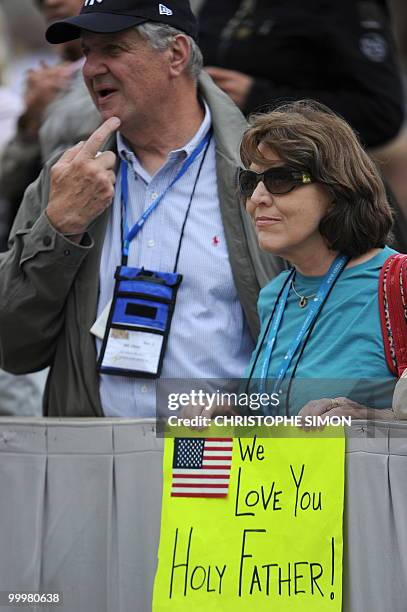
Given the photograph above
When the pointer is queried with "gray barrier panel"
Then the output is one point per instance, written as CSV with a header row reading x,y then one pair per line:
x,y
80,510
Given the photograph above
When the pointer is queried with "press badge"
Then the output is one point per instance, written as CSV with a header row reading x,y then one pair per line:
x,y
139,322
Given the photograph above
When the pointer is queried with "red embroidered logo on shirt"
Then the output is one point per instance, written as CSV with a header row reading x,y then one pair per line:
x,y
215,241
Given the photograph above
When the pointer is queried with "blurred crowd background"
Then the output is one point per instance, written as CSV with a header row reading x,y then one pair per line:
x,y
22,46
26,59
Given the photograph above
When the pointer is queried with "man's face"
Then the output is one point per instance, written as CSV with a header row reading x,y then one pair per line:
x,y
125,76
53,10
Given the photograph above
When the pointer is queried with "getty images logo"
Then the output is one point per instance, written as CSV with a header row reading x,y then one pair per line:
x,y
92,2
164,10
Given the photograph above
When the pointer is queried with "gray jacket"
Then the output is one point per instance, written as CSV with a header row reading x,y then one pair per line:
x,y
49,286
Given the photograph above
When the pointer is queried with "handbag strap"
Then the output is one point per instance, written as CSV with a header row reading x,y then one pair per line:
x,y
393,312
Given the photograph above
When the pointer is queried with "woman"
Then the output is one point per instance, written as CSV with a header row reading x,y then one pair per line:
x,y
316,199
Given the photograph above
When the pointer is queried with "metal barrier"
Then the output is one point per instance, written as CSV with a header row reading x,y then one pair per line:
x,y
80,505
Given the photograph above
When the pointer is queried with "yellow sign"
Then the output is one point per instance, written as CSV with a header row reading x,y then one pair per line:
x,y
273,543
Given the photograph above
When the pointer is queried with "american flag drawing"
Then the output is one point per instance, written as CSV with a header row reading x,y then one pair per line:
x,y
201,467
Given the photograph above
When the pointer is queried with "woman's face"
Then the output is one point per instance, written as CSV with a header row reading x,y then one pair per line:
x,y
287,224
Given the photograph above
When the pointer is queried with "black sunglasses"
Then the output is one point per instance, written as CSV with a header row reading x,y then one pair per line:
x,y
278,180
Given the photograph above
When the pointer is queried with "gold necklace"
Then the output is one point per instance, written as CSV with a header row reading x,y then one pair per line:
x,y
304,299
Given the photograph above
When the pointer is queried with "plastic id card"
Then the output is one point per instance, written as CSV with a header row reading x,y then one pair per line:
x,y
139,322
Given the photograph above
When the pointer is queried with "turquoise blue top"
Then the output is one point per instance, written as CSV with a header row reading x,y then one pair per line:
x,y
344,347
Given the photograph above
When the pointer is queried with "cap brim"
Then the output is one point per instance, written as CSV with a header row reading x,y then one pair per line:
x,y
101,23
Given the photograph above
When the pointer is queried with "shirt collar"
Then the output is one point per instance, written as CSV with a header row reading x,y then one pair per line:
x,y
126,153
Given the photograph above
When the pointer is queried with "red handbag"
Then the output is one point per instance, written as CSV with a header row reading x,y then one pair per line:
x,y
393,312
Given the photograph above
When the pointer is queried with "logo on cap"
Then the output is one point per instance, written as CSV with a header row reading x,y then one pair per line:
x,y
164,10
92,2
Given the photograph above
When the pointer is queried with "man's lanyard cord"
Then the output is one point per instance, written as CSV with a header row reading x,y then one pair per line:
x,y
129,234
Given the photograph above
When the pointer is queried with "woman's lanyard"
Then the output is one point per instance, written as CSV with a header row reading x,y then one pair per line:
x,y
129,234
275,322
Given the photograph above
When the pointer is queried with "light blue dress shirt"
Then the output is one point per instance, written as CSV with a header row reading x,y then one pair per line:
x,y
209,337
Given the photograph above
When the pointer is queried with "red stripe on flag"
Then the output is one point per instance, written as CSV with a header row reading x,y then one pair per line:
x,y
198,494
225,476
195,485
216,458
216,467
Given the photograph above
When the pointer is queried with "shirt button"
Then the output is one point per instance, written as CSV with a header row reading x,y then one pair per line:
x,y
151,244
144,389
154,195
46,241
67,252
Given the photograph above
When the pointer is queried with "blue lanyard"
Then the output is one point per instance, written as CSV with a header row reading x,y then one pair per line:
x,y
129,234
329,279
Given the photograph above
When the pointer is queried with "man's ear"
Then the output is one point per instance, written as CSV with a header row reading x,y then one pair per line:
x,y
179,53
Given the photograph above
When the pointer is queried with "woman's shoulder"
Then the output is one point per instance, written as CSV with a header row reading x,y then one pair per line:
x,y
371,267
385,254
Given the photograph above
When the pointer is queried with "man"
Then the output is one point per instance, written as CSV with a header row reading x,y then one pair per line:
x,y
50,120
176,147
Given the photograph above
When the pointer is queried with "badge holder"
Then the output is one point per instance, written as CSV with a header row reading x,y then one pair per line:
x,y
143,302
139,322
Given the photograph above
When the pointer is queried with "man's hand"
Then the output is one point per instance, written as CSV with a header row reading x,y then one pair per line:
x,y
82,183
236,84
41,88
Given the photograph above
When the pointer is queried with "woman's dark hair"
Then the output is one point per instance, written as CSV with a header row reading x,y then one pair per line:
x,y
309,136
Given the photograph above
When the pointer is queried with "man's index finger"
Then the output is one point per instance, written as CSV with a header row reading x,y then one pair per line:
x,y
99,136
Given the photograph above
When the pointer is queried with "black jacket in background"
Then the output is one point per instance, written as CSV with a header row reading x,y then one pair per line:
x,y
340,52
